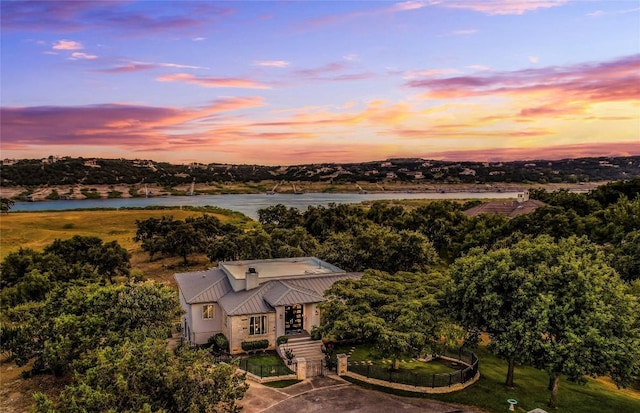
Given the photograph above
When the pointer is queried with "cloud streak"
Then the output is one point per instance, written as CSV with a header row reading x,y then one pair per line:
x,y
134,66
77,16
125,126
272,63
213,82
614,80
502,7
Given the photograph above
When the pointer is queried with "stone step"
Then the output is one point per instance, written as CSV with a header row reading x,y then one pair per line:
x,y
296,339
304,348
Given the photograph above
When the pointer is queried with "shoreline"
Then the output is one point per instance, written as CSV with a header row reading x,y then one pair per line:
x,y
88,192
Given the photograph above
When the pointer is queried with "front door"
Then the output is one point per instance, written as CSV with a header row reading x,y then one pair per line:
x,y
293,319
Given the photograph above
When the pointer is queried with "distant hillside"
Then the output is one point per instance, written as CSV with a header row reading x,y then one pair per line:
x,y
95,171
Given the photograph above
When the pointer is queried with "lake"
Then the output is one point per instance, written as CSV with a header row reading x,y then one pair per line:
x,y
249,204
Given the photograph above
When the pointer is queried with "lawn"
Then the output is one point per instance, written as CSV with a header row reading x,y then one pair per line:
x,y
363,354
265,365
530,390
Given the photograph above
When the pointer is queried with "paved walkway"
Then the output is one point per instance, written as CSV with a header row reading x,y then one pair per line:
x,y
332,394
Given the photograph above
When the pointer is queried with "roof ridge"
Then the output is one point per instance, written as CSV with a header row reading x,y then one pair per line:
x,y
300,288
249,296
286,290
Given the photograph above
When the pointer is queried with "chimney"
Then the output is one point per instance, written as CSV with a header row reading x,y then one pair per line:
x,y
251,279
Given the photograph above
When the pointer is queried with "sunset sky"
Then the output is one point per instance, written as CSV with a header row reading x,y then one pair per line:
x,y
280,83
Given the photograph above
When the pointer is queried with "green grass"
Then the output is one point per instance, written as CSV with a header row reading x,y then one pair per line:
x,y
265,365
281,383
266,359
530,390
38,229
364,353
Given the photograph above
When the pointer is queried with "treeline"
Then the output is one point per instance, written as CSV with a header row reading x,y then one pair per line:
x,y
392,238
72,171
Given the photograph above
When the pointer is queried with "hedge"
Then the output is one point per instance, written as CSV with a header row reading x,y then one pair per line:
x,y
254,345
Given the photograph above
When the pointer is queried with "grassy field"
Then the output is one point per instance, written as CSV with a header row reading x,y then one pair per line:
x,y
531,392
38,229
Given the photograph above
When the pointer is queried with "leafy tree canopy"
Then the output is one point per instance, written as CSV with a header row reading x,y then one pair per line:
x,y
72,321
139,376
557,304
401,313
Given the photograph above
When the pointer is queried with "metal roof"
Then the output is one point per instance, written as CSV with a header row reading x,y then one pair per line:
x,y
283,293
203,286
213,286
508,208
247,302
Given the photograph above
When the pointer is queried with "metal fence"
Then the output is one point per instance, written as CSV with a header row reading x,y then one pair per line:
x,y
264,370
421,379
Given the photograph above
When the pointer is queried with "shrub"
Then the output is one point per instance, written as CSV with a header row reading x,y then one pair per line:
x,y
218,342
315,333
282,340
54,195
254,345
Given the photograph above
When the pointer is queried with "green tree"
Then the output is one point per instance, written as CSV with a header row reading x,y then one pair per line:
x,y
556,304
137,376
6,204
591,323
183,240
73,321
280,216
377,247
495,291
401,314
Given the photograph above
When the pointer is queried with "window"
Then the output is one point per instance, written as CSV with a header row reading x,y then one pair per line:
x,y
207,312
257,325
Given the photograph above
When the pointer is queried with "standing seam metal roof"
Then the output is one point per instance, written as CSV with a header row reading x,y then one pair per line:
x,y
285,294
213,286
203,286
247,302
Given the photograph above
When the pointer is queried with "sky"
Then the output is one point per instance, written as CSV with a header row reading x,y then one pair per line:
x,y
299,82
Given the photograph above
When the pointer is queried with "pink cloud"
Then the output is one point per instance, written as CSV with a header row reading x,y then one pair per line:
x,y
214,82
143,66
76,16
550,152
493,7
331,72
336,18
126,126
67,45
272,63
82,56
615,80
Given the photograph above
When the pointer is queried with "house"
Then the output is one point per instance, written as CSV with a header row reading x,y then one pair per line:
x,y
522,205
256,299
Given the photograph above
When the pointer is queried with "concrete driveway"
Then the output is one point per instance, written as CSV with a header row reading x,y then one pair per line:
x,y
332,394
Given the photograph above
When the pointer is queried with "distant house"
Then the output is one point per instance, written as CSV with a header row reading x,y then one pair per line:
x,y
256,299
522,205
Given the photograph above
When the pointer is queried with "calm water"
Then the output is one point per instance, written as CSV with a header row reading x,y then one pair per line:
x,y
249,204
